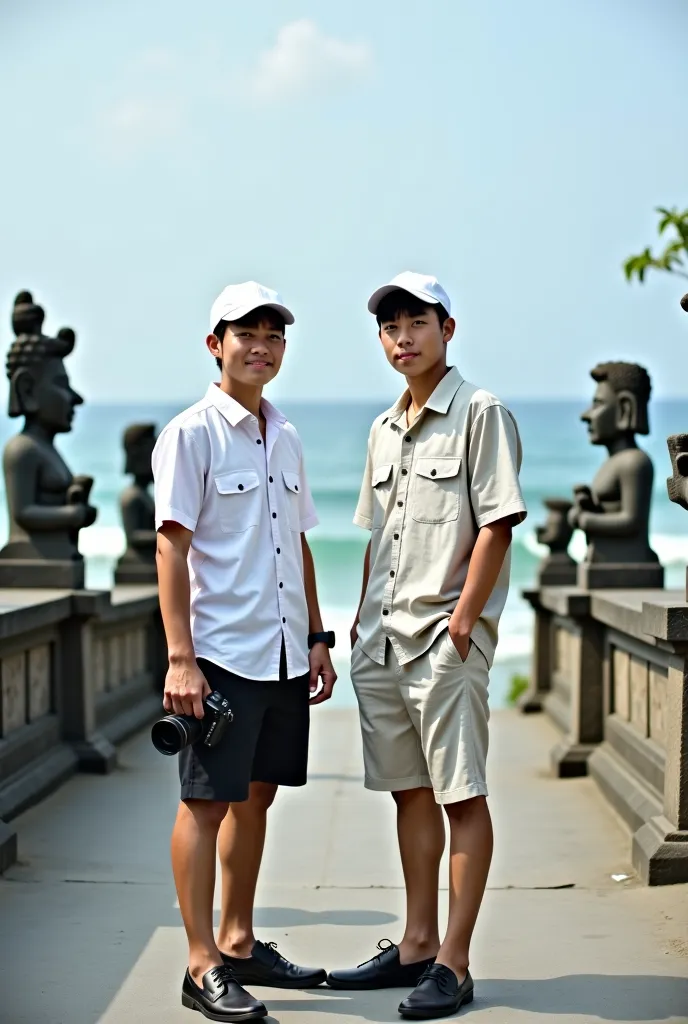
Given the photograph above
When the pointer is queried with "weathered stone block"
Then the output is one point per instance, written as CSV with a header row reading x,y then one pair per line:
x,y
40,681
621,664
13,672
658,701
639,695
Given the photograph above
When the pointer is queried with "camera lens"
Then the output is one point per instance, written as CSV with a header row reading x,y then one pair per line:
x,y
172,734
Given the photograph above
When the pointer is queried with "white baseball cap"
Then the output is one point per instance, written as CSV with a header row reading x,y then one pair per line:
x,y
426,288
236,300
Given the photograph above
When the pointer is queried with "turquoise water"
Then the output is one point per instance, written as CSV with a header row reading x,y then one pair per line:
x,y
557,455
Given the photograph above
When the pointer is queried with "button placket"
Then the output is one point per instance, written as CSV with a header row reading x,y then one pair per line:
x,y
276,540
403,479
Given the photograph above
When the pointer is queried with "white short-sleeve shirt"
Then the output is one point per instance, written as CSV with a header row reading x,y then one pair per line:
x,y
247,503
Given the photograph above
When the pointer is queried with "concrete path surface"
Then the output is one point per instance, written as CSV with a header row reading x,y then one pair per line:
x,y
89,930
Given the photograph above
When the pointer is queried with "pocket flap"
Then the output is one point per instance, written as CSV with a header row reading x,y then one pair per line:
x,y
381,474
235,483
438,468
291,480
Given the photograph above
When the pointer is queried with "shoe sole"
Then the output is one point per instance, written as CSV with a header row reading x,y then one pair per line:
x,y
416,1015
362,987
191,1004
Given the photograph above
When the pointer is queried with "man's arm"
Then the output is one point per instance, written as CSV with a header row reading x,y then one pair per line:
x,y
484,567
364,587
185,684
319,655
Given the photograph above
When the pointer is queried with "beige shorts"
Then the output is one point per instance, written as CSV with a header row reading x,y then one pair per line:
x,y
424,724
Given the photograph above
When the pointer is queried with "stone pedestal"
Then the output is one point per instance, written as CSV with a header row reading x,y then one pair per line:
x,y
135,572
557,570
42,574
622,576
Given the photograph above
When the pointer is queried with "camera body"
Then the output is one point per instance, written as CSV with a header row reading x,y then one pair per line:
x,y
174,732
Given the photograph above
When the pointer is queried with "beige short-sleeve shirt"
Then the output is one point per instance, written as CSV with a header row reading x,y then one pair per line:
x,y
427,491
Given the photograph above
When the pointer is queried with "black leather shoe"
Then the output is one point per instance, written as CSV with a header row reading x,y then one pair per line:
x,y
384,971
265,966
221,998
438,994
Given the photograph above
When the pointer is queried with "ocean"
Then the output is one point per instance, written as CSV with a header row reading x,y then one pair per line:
x,y
556,456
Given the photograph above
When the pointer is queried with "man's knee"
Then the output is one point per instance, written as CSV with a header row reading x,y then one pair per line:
x,y
463,810
261,797
409,797
207,813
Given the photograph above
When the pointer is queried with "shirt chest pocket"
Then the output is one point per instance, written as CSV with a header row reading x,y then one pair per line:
x,y
239,500
291,495
382,480
436,490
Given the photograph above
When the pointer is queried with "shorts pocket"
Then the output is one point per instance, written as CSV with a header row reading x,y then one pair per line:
x,y
238,500
436,490
291,493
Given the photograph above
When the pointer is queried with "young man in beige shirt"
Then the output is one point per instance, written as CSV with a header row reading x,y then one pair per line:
x,y
440,495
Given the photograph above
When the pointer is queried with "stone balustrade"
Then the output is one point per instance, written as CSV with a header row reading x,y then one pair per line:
x,y
610,668
79,672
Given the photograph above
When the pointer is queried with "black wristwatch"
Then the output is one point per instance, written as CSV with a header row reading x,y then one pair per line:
x,y
321,638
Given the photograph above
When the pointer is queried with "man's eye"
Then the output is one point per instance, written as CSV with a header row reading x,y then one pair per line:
x,y
389,328
419,322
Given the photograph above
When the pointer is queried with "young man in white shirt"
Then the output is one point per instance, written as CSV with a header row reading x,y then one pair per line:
x,y
240,609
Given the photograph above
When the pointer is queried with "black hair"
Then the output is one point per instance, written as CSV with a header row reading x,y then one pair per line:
x,y
261,315
402,303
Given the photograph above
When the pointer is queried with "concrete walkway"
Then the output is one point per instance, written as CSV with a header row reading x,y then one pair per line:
x,y
89,930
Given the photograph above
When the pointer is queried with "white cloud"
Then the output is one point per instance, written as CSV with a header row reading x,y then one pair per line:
x,y
135,122
304,59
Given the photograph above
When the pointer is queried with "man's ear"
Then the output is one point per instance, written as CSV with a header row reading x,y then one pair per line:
x,y
448,328
214,345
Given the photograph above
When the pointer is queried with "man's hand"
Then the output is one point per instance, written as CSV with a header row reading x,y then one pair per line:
x,y
461,640
321,668
185,688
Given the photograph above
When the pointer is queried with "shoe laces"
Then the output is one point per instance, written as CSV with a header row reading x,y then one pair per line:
x,y
276,955
436,973
222,975
384,945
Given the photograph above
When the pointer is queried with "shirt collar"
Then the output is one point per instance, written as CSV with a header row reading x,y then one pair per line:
x,y
234,413
439,401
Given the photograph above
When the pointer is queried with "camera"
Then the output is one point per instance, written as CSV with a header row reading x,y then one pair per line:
x,y
174,732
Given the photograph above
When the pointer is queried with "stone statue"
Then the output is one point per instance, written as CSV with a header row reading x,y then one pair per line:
x,y
614,513
137,507
47,504
558,569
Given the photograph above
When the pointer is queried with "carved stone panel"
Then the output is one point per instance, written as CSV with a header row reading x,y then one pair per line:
x,y
621,673
40,682
115,663
127,641
658,704
99,664
13,674
639,695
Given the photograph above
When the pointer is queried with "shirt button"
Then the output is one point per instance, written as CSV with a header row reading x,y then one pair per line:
x,y
281,585
279,551
404,472
396,536
400,504
284,620
392,572
385,612
241,487
270,479
274,515
408,439
385,420
296,487
433,472
259,441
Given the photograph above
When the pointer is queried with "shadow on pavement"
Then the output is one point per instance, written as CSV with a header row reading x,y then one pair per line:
x,y
291,917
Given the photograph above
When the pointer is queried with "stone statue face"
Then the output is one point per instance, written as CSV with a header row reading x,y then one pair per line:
x,y
603,415
47,397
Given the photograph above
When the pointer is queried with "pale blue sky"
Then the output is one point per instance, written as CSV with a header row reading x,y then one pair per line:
x,y
154,152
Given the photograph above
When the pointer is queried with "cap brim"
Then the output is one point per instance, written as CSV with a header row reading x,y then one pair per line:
x,y
377,296
241,311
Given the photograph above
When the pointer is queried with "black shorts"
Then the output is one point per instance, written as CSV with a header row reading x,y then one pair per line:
x,y
266,742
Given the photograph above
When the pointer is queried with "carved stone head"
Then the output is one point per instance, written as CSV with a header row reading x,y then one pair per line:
x,y
139,441
556,532
620,403
684,303
677,484
39,385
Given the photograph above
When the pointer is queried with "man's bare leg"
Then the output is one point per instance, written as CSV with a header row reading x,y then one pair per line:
x,y
240,848
471,843
420,829
194,844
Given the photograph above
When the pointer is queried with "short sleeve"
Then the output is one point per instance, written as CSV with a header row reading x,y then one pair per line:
x,y
179,478
307,515
364,510
494,461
